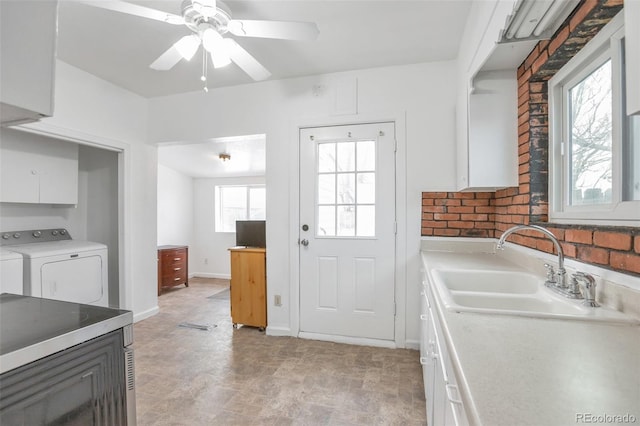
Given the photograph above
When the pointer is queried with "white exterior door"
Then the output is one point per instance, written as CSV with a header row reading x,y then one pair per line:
x,y
347,231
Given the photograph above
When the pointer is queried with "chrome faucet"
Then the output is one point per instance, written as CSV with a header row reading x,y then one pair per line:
x,y
587,285
556,280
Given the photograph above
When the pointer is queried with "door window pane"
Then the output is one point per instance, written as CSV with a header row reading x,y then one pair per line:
x,y
346,221
366,188
327,189
591,125
326,221
346,188
346,156
327,157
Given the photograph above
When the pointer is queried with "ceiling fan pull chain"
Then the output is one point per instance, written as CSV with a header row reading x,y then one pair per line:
x,y
204,70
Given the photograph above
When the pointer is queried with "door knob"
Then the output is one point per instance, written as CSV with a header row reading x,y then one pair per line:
x,y
304,242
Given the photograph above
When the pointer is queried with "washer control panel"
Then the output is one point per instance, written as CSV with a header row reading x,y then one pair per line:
x,y
33,236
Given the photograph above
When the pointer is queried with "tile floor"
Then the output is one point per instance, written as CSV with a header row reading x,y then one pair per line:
x,y
223,376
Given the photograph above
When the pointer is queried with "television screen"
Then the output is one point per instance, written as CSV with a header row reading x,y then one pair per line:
x,y
250,233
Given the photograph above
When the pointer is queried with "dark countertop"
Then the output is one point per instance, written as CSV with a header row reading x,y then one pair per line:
x,y
32,327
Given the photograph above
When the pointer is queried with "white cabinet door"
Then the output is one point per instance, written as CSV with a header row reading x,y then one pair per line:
x,y
632,54
28,34
36,169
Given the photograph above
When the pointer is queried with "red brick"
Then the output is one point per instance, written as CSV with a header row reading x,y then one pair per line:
x,y
636,244
578,236
524,158
447,202
426,232
532,57
427,201
560,38
433,209
475,217
559,233
446,216
523,128
460,224
593,255
540,61
614,240
459,209
485,195
485,225
427,216
521,199
537,87
625,261
581,13
446,232
484,209
524,188
523,143
524,177
433,224
520,71
477,233
434,195
523,118
461,195
518,209
569,250
481,202
545,245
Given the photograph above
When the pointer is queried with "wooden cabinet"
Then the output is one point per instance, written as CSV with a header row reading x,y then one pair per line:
x,y
28,37
248,287
173,266
37,169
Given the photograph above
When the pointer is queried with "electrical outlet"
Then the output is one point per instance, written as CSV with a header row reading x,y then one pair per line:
x,y
277,300
206,261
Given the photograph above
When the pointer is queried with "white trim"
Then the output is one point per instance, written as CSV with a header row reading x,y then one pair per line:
x,y
146,314
606,44
125,220
348,340
210,275
297,123
412,344
278,331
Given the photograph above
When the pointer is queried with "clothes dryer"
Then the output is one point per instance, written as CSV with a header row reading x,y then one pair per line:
x,y
62,268
10,272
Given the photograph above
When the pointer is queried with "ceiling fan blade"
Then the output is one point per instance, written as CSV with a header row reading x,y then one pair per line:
x,y
244,60
274,29
134,9
167,60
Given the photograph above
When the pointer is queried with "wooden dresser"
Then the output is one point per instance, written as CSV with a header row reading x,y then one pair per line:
x,y
248,287
173,266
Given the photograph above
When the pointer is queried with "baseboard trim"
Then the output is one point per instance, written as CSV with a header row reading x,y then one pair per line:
x,y
146,314
412,344
361,341
210,275
278,331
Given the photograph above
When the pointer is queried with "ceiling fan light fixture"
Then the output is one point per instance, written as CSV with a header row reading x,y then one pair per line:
x,y
224,156
187,46
214,44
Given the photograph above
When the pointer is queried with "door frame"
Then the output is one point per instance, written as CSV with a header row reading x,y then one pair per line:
x,y
399,119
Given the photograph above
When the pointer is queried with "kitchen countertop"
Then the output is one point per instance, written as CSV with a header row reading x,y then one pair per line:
x,y
531,371
32,328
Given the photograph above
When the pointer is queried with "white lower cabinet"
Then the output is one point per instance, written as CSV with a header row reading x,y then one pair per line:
x,y
443,403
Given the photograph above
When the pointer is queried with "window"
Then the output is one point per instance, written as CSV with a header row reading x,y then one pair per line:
x,y
239,202
594,145
346,182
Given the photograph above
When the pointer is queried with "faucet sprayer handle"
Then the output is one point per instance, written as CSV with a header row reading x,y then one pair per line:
x,y
587,285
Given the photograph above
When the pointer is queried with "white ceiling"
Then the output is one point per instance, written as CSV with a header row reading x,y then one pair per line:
x,y
354,34
201,160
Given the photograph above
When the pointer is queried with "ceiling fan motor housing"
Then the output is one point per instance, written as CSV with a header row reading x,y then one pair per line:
x,y
197,22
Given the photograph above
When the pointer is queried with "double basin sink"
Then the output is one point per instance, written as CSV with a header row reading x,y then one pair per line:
x,y
513,293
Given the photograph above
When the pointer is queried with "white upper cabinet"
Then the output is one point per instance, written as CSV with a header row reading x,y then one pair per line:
x,y
36,169
28,33
632,54
491,143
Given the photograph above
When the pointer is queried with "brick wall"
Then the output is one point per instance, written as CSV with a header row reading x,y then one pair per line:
x,y
449,214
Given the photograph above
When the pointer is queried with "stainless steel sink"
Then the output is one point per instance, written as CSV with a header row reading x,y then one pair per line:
x,y
513,293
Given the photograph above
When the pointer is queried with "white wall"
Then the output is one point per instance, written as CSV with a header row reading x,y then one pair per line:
x,y
175,210
423,93
210,249
90,109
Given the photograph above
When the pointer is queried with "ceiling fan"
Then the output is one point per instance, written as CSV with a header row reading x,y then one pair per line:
x,y
209,21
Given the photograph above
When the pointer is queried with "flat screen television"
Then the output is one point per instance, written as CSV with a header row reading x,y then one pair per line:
x,y
251,233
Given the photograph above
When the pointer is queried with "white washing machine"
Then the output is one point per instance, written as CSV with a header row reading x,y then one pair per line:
x,y
10,272
61,268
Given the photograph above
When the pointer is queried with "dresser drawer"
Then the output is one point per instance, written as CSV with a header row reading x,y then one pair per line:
x,y
173,256
174,279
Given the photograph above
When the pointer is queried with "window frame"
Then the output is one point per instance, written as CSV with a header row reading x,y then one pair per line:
x,y
607,44
219,204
